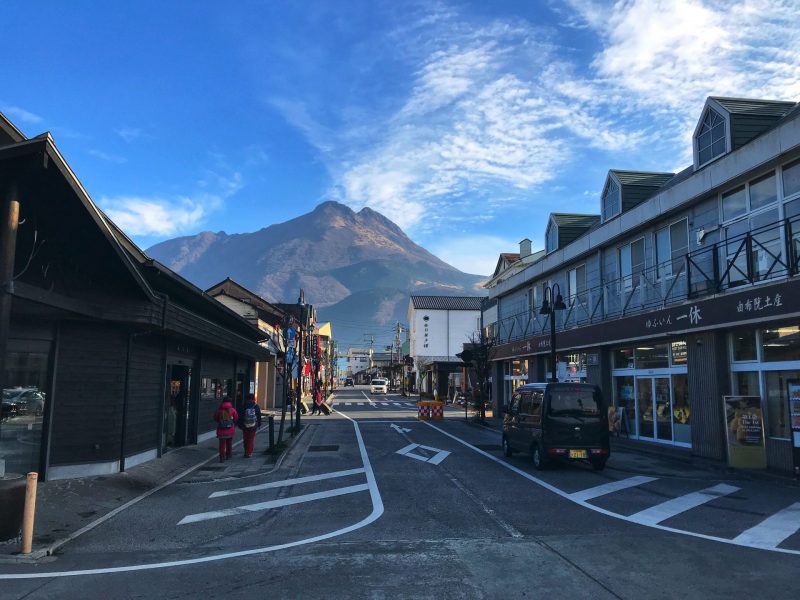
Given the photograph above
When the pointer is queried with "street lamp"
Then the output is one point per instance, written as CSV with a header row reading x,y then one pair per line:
x,y
549,308
301,315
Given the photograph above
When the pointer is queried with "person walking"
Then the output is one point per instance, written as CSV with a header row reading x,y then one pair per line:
x,y
250,422
226,417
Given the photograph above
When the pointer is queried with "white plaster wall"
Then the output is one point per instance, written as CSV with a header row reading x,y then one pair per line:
x,y
463,323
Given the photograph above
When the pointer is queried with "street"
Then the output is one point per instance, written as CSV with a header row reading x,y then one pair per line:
x,y
372,503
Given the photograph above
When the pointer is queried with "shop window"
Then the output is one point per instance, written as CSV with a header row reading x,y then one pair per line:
x,y
780,344
23,408
631,263
623,358
681,415
744,345
672,244
778,402
652,357
745,383
791,179
678,351
626,403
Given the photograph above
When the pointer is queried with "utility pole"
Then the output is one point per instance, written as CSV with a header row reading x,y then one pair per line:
x,y
397,345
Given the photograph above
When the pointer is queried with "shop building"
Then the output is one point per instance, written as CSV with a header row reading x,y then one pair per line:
x,y
684,289
439,326
110,358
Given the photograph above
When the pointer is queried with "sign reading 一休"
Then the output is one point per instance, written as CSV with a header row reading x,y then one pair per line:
x,y
744,428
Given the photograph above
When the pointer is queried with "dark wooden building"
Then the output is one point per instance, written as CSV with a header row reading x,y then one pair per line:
x,y
111,358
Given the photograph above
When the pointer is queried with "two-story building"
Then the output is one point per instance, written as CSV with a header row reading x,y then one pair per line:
x,y
439,326
683,289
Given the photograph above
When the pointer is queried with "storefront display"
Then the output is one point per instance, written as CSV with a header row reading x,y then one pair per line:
x,y
744,420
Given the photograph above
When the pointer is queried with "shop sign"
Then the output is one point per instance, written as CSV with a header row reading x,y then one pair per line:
x,y
744,428
793,393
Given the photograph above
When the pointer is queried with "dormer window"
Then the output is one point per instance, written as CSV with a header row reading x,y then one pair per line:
x,y
710,137
551,238
612,203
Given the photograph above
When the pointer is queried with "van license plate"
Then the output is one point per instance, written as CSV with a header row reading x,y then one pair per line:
x,y
577,454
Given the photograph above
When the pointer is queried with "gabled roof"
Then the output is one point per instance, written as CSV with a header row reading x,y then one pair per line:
x,y
575,220
234,289
749,106
447,302
642,178
504,261
9,134
510,256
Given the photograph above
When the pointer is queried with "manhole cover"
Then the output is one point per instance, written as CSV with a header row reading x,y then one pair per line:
x,y
323,448
212,468
489,447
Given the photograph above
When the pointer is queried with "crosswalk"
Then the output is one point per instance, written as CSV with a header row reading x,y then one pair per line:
x,y
772,531
378,405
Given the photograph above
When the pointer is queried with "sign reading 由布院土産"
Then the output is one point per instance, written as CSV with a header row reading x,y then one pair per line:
x,y
744,427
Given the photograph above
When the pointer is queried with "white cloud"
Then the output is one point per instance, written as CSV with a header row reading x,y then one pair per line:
x,y
112,158
154,216
473,253
15,113
132,134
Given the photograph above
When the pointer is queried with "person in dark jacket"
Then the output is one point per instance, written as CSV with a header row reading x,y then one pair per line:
x,y
226,417
249,423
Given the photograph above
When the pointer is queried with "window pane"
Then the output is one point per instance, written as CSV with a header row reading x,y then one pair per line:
x,y
733,204
791,179
767,245
652,357
581,279
637,257
679,237
778,402
763,191
782,343
663,253
681,416
679,352
623,359
744,345
745,383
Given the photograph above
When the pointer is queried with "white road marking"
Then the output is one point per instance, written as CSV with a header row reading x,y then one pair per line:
x,y
772,530
286,482
597,509
368,398
377,511
399,429
434,460
610,488
670,508
259,506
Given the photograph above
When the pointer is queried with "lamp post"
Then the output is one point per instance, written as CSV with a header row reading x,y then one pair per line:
x,y
549,307
301,315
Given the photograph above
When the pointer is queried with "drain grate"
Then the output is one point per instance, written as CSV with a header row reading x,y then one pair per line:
x,y
323,448
489,447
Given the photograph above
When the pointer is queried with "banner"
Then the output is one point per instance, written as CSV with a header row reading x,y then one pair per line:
x,y
744,420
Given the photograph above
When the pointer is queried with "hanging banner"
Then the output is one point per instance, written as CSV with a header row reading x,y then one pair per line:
x,y
744,419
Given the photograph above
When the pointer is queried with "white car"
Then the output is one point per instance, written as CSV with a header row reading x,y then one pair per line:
x,y
379,386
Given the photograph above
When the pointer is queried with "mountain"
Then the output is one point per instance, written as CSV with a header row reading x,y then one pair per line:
x,y
355,267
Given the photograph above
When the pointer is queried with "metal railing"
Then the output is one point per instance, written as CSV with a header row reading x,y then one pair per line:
x,y
761,254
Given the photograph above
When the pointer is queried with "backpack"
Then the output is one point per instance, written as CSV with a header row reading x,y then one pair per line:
x,y
225,419
250,417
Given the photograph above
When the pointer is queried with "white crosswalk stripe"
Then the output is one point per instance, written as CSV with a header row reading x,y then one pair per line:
x,y
610,488
661,512
772,530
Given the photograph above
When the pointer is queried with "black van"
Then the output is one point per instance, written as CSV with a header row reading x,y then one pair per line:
x,y
557,420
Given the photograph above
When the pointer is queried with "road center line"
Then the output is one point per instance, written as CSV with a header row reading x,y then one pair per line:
x,y
286,482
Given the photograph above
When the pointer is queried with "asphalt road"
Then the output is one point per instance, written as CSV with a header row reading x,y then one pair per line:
x,y
372,503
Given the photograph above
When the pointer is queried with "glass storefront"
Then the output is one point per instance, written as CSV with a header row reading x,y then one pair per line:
x,y
651,392
515,373
23,410
762,362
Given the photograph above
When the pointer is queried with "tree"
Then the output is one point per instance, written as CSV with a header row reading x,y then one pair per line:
x,y
478,354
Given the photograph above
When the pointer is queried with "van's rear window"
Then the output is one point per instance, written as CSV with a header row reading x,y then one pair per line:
x,y
574,401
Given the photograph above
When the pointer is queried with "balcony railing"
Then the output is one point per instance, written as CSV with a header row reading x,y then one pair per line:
x,y
761,254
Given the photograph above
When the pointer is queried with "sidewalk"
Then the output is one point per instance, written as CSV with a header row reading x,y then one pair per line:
x,y
67,508
645,458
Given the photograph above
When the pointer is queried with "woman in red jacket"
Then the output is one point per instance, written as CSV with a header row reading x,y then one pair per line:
x,y
226,417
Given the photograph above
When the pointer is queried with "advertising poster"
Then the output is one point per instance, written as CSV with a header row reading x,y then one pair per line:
x,y
793,393
744,420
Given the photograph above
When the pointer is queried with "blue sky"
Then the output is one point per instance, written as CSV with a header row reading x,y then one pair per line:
x,y
466,123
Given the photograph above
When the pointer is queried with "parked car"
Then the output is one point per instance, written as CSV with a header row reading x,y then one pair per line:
x,y
10,408
379,386
31,402
349,382
558,421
